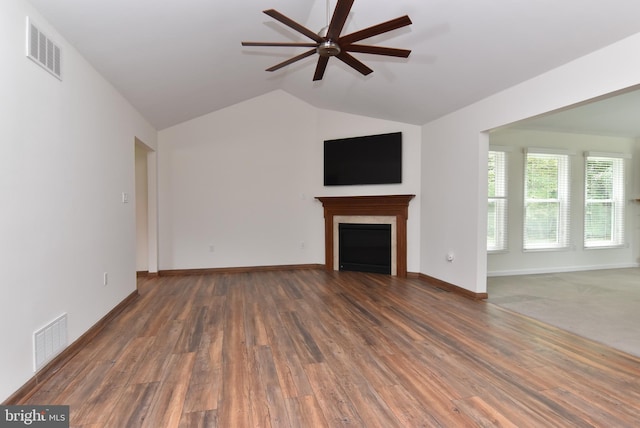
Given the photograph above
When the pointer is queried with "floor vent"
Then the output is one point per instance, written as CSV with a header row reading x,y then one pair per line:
x,y
49,341
43,51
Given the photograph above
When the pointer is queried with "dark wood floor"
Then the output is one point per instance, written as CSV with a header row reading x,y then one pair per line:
x,y
316,348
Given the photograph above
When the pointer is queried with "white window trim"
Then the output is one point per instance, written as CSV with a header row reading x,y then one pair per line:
x,y
548,151
607,155
502,221
618,223
563,199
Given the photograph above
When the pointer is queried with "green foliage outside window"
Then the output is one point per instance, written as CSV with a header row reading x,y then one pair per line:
x,y
546,201
542,177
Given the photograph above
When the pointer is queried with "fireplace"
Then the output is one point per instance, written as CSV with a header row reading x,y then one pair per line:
x,y
365,247
391,210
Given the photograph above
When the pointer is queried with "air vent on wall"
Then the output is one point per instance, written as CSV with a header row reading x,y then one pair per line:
x,y
49,341
42,50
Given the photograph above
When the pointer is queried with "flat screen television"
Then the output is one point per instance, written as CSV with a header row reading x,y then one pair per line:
x,y
372,159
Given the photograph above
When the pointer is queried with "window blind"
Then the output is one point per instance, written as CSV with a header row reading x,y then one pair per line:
x,y
604,202
547,201
497,203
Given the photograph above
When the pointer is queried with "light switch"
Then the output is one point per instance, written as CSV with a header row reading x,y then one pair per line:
x,y
125,198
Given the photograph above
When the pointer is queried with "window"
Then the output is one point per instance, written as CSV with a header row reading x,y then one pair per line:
x,y
546,201
497,209
604,201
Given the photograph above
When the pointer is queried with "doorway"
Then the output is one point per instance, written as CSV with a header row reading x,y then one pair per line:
x,y
146,211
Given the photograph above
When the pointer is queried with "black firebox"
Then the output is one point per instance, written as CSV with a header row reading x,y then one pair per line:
x,y
365,247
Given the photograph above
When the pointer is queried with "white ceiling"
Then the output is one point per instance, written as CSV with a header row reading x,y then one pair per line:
x,y
178,59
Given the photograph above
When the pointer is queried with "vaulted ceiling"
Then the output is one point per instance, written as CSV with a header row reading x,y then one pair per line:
x,y
176,60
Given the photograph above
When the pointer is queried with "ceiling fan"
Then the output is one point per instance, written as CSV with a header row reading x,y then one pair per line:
x,y
330,43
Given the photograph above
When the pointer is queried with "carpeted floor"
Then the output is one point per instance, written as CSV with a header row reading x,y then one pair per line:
x,y
601,305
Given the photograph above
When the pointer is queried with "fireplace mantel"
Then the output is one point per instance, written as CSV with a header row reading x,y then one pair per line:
x,y
385,205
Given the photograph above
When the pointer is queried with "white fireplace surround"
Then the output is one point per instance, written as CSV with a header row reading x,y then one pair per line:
x,y
365,219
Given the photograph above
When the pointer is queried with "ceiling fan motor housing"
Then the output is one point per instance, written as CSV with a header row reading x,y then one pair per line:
x,y
328,48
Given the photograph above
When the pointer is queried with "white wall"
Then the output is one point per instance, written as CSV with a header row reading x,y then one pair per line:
x,y
515,261
345,125
454,156
244,179
634,221
66,155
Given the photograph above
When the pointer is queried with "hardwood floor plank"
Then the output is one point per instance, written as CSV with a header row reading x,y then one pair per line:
x,y
347,355
622,400
292,377
408,409
483,414
336,406
235,405
518,407
258,403
133,406
159,354
592,413
208,419
155,323
216,315
303,342
125,365
321,348
179,368
270,384
83,385
305,412
254,323
432,392
205,381
72,373
192,331
166,410
97,408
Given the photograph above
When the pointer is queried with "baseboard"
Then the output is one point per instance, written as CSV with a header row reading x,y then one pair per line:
x,y
242,269
33,384
438,283
563,269
434,282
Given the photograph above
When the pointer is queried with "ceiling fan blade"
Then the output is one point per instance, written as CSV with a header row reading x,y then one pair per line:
x,y
293,44
377,50
354,63
321,67
339,18
291,60
293,24
384,27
